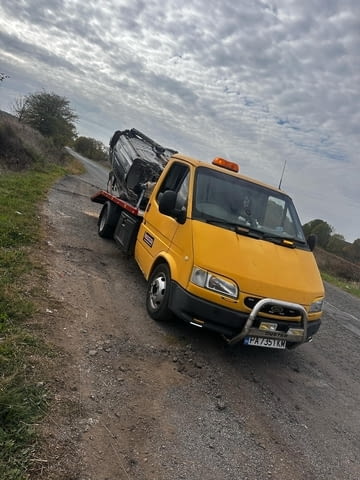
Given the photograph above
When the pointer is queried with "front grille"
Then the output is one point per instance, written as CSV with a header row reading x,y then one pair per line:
x,y
275,310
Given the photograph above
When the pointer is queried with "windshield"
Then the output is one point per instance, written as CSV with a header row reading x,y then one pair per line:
x,y
230,201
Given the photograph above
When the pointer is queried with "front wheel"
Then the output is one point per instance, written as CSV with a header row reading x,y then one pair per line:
x,y
158,292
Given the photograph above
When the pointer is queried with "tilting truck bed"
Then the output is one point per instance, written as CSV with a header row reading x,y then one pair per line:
x,y
102,197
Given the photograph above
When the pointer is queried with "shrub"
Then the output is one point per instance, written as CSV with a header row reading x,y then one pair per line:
x,y
337,266
21,146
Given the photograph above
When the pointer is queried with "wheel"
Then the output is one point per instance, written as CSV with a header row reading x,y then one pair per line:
x,y
108,219
157,295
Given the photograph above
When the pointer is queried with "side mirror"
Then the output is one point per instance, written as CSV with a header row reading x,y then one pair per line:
x,y
311,241
167,205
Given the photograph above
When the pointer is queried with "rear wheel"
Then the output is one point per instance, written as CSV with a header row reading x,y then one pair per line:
x,y
158,292
108,219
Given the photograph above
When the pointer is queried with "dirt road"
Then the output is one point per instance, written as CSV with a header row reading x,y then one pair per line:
x,y
134,399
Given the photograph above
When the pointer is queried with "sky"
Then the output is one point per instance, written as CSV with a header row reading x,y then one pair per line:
x,y
266,84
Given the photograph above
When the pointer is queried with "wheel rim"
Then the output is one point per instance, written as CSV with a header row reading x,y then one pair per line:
x,y
157,291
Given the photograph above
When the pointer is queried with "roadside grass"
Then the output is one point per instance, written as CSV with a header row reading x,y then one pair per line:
x,y
348,286
22,396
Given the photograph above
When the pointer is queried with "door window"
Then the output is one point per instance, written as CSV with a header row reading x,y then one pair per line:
x,y
177,179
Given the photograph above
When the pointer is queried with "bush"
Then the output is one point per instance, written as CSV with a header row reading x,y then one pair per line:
x,y
50,114
21,146
13,153
91,148
337,266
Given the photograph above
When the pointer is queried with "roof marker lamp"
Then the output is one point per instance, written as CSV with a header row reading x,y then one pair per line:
x,y
221,162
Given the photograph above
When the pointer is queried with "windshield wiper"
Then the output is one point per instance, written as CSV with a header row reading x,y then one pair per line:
x,y
283,240
240,229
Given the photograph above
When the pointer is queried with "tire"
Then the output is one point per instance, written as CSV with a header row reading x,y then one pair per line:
x,y
158,293
108,219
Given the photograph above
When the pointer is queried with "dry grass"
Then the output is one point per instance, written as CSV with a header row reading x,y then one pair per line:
x,y
21,146
337,266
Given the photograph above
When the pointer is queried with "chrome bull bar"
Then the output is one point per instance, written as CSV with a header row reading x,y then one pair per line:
x,y
248,328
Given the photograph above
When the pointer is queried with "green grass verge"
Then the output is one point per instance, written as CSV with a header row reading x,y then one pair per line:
x,y
22,396
350,287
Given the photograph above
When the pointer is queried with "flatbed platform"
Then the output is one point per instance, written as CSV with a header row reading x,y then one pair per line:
x,y
102,196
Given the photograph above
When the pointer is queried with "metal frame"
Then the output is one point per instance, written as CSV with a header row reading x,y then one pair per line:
x,y
249,330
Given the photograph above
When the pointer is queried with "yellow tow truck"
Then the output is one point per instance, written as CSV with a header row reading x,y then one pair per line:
x,y
219,250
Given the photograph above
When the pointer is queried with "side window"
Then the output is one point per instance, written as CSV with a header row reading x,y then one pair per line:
x,y
183,191
177,179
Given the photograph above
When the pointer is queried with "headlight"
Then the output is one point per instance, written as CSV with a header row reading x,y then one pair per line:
x,y
316,306
214,282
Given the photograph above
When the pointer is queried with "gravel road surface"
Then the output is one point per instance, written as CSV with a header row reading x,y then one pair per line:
x,y
133,399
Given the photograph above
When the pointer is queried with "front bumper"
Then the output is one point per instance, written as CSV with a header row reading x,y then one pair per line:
x,y
235,325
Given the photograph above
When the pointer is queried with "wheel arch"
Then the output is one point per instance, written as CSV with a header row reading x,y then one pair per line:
x,y
164,257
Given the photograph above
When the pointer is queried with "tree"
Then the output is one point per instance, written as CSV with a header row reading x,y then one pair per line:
x,y
352,252
50,114
321,229
91,148
336,244
309,227
19,108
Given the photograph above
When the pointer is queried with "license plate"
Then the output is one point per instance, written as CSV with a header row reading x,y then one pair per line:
x,y
265,342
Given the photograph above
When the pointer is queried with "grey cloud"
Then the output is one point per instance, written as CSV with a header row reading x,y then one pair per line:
x,y
174,87
84,20
42,13
33,53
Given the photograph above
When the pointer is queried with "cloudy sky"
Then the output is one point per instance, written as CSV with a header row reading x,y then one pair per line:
x,y
258,82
